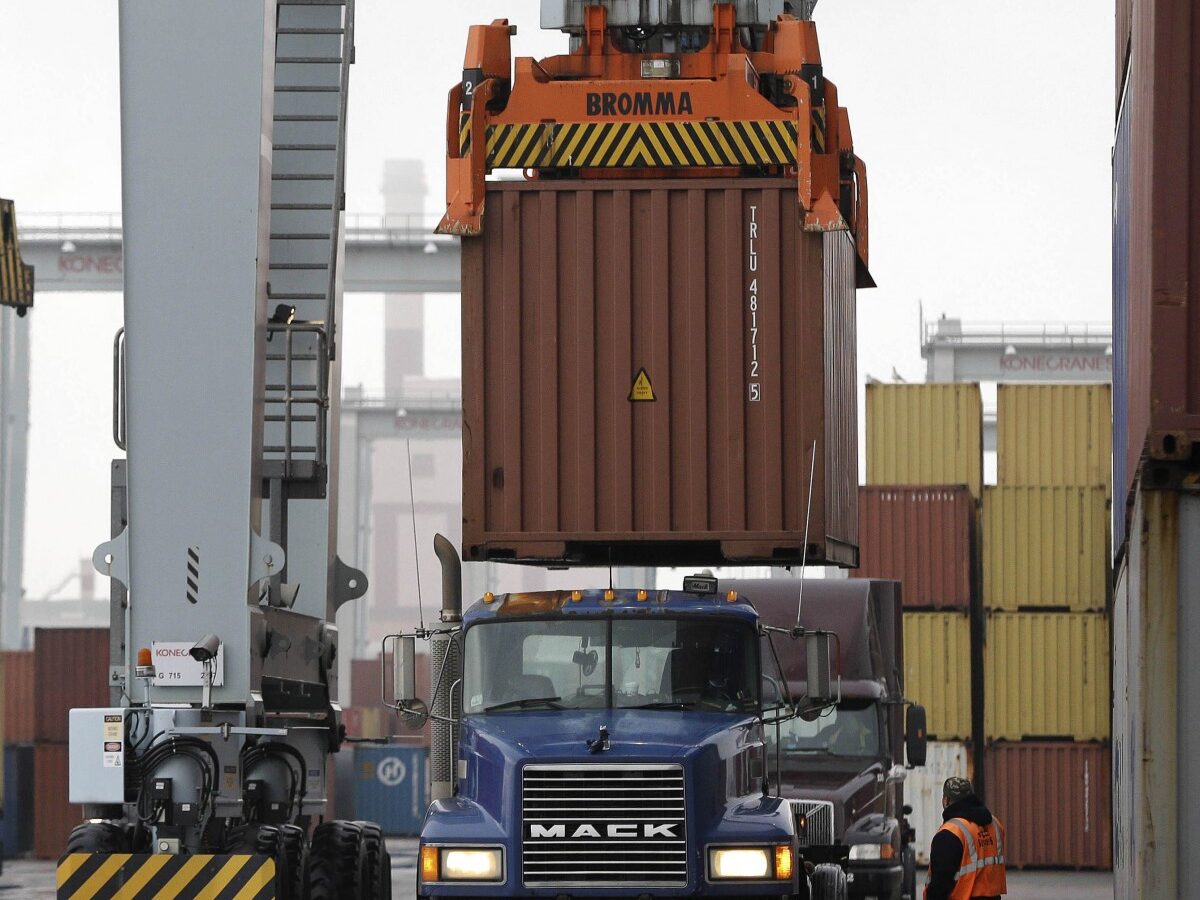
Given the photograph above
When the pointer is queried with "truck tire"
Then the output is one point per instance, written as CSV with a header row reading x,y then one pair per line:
x,y
376,877
98,837
291,856
335,862
828,882
908,889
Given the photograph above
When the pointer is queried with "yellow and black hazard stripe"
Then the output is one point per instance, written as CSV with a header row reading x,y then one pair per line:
x,y
135,876
464,133
16,278
751,142
818,129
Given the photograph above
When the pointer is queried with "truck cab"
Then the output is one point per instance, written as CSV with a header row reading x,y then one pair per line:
x,y
611,743
844,769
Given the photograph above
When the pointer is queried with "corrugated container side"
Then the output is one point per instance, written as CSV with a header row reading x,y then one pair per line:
x,y
19,727
937,671
53,815
1046,675
1045,546
1054,434
1164,310
391,787
70,670
17,824
1122,462
744,327
1150,755
923,790
922,434
921,537
1123,35
1055,802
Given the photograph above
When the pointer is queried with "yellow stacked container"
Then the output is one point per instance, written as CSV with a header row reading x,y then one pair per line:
x,y
937,671
1045,547
1054,434
925,434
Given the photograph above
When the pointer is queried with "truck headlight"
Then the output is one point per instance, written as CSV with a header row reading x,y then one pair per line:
x,y
757,863
462,864
872,851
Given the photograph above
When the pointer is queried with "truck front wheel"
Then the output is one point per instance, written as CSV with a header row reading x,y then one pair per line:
x,y
828,882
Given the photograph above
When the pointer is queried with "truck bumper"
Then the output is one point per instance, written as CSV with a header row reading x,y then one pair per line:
x,y
137,876
882,881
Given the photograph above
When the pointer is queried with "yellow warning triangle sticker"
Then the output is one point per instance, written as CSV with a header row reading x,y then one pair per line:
x,y
642,391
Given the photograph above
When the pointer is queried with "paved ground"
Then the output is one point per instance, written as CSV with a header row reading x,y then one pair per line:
x,y
35,880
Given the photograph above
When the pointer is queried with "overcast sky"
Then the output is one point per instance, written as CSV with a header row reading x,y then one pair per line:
x,y
986,129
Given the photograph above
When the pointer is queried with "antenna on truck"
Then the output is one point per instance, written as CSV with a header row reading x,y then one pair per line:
x,y
812,471
412,504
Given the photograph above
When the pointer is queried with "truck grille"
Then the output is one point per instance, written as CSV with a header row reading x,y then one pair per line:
x,y
596,825
818,818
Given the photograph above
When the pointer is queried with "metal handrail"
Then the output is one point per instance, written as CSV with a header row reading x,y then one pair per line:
x,y
1084,333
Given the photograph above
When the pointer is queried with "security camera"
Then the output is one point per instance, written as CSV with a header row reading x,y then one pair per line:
x,y
205,649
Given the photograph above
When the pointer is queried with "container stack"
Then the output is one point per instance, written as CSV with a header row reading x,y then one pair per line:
x,y
1156,447
1046,598
919,524
67,668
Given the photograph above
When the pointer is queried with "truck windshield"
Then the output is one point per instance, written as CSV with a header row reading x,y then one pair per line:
x,y
849,729
583,663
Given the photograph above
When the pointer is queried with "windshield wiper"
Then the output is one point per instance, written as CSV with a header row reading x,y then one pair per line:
x,y
551,702
664,704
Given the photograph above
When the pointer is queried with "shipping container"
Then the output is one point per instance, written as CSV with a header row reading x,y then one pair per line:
x,y
70,670
1122,464
19,709
391,787
922,537
17,831
1055,801
1157,300
1046,675
1155,738
922,434
53,814
923,790
658,372
1045,547
1054,434
937,671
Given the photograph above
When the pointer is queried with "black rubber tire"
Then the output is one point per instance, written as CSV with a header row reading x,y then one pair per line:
x,y
98,837
908,885
335,862
828,882
291,858
374,877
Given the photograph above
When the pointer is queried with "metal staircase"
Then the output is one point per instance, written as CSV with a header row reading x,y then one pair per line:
x,y
314,48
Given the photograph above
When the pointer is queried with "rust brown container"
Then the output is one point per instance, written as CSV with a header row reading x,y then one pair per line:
x,y
922,537
70,670
53,814
1156,307
652,370
19,719
1055,802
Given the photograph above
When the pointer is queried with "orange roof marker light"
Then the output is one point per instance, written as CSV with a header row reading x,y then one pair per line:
x,y
734,97
731,597
642,595
489,597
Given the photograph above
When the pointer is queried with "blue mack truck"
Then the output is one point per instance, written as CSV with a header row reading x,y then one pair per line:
x,y
611,743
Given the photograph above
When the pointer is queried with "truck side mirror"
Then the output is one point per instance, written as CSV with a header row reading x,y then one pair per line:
x,y
915,742
404,671
818,648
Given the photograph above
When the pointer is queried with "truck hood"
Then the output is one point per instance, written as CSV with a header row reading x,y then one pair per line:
x,y
854,792
633,733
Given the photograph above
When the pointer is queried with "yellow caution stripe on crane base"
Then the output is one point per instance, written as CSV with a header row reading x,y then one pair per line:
x,y
748,142
134,876
16,278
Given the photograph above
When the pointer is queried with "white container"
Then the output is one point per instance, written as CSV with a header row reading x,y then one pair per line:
x,y
923,790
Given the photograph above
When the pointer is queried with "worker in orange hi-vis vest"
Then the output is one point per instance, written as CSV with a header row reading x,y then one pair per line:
x,y
966,858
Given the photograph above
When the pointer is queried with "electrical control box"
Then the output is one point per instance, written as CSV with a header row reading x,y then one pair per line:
x,y
97,737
